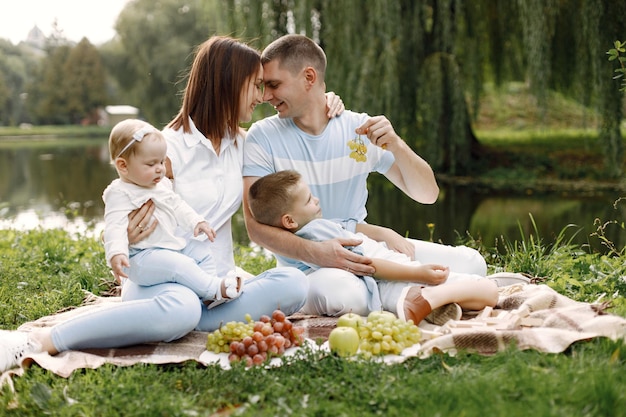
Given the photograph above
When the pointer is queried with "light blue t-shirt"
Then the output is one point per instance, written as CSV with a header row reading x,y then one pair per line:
x,y
340,182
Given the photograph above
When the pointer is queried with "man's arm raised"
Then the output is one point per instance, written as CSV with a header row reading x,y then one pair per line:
x,y
327,254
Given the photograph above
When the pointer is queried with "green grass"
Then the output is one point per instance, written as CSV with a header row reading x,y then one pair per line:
x,y
46,270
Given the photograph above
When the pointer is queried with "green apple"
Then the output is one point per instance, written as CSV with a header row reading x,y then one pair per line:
x,y
344,341
381,317
350,320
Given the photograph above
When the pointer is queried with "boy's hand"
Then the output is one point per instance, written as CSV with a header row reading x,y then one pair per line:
x,y
434,274
118,262
203,227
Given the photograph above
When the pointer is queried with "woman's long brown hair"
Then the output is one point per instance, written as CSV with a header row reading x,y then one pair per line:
x,y
220,69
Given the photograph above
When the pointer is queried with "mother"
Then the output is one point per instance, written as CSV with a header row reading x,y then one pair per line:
x,y
205,145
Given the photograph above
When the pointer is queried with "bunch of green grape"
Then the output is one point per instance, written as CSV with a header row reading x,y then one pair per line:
x,y
219,340
358,148
384,334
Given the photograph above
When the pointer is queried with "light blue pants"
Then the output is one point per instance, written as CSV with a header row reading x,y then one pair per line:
x,y
168,311
193,266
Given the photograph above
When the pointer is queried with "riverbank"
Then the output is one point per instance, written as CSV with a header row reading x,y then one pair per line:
x,y
42,133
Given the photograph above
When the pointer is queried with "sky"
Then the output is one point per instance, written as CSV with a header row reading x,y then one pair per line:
x,y
93,19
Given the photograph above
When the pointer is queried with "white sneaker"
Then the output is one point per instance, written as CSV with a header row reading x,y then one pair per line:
x,y
502,279
230,288
14,346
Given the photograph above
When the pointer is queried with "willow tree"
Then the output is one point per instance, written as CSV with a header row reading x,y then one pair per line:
x,y
423,63
559,45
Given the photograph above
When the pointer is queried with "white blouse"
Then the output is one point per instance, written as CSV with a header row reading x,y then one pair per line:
x,y
212,185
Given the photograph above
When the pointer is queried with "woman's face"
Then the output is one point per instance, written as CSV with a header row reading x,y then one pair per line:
x,y
251,95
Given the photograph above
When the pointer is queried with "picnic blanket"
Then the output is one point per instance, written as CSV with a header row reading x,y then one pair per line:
x,y
528,316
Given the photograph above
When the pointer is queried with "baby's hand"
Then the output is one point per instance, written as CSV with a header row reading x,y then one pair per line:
x,y
203,227
118,262
435,274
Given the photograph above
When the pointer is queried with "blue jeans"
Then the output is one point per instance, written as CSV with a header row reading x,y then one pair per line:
x,y
166,312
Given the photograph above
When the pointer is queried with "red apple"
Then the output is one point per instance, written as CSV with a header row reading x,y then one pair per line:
x,y
350,320
344,341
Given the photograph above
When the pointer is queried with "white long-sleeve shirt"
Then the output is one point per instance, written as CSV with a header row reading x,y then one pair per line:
x,y
120,198
210,183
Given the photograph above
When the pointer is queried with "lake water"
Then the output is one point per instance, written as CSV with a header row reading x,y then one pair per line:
x,y
59,184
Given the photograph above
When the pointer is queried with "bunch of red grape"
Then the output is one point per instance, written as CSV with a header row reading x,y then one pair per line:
x,y
256,341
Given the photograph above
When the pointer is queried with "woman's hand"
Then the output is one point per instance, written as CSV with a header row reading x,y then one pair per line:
x,y
334,104
118,262
139,226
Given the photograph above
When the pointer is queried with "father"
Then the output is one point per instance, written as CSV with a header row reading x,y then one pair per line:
x,y
328,154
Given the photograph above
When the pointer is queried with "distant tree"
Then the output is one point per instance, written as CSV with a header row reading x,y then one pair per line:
x,y
84,83
47,101
157,38
69,86
17,64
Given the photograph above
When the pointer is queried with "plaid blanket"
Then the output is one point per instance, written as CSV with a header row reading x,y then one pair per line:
x,y
527,316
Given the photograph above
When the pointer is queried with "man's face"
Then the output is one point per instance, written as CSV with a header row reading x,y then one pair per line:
x,y
283,89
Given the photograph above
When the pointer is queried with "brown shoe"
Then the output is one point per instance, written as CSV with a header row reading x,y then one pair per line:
x,y
411,305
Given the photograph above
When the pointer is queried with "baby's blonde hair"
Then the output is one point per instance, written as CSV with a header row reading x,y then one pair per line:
x,y
122,135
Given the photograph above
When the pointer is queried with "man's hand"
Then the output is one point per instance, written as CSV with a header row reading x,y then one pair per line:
x,y
380,132
400,244
393,239
332,254
139,226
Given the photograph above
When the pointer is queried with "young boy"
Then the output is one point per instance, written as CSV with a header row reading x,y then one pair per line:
x,y
283,199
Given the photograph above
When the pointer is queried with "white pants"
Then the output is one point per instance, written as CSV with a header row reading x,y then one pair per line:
x,y
333,292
